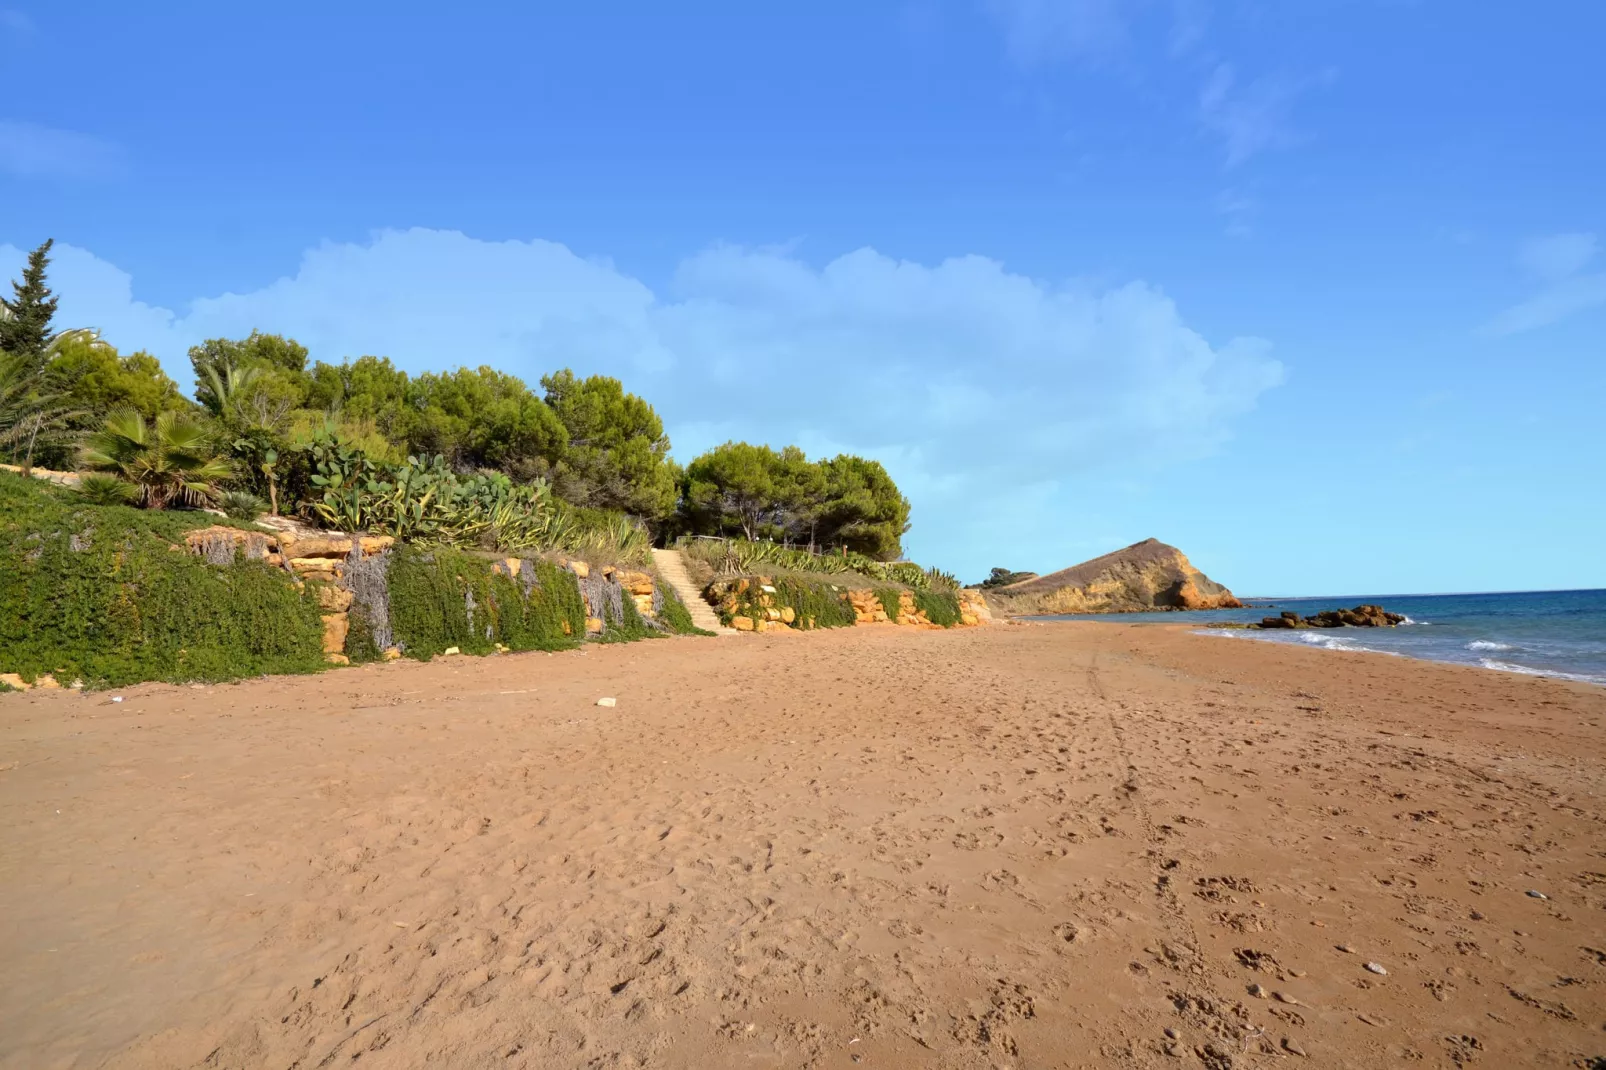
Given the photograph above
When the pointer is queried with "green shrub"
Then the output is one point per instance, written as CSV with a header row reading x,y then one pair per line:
x,y
817,604
738,556
940,607
361,647
109,595
443,598
674,615
98,488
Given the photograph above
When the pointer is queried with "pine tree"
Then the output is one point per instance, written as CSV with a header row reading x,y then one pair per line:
x,y
25,319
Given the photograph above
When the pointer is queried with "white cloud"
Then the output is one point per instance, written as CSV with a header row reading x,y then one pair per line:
x,y
1559,261
1556,303
1037,30
1558,255
1248,118
29,150
93,293
983,391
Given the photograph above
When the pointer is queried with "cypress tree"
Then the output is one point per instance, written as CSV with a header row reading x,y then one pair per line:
x,y
25,319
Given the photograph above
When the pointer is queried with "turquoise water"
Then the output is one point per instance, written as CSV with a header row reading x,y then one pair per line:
x,y
1542,633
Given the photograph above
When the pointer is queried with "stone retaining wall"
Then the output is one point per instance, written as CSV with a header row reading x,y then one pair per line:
x,y
325,559
728,595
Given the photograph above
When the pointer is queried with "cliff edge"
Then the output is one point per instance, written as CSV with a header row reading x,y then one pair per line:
x,y
1144,576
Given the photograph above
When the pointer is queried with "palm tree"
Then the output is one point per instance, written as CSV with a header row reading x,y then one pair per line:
x,y
170,461
89,336
29,409
224,391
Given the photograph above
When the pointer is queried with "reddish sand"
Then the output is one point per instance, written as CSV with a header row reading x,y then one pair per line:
x,y
1011,846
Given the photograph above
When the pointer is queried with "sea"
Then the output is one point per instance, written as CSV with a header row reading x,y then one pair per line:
x,y
1538,633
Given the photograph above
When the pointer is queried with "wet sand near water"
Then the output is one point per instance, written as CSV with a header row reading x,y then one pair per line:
x,y
1015,846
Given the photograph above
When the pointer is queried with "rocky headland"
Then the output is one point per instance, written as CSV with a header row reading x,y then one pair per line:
x,y
1143,577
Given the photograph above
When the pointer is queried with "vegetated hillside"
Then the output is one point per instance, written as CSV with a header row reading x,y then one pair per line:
x,y
107,595
1148,575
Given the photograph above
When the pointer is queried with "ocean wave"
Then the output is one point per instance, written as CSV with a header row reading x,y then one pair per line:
x,y
1317,639
1488,644
1330,642
1528,670
1408,620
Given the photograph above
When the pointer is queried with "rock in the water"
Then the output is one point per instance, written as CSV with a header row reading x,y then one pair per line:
x,y
1145,576
1366,616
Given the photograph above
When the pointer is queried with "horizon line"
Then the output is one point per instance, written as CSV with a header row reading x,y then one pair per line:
x,y
1424,594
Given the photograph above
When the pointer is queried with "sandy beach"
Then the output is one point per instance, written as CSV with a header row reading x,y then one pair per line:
x,y
1073,845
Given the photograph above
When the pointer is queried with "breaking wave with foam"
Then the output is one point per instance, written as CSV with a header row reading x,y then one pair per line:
x,y
1505,666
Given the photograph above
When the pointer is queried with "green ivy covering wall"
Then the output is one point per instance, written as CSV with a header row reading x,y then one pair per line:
x,y
443,598
940,607
816,603
110,596
674,615
629,626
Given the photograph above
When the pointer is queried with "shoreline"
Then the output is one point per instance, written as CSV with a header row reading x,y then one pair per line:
x,y
1565,641
1003,845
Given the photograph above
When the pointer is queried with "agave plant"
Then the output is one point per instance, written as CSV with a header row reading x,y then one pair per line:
x,y
99,488
527,517
730,556
909,574
242,505
170,461
620,538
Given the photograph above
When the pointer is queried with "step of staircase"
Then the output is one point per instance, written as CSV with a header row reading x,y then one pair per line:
x,y
672,570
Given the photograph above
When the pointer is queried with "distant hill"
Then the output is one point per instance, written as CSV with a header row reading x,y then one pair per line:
x,y
1148,575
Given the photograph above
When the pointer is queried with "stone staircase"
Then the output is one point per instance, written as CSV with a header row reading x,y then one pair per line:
x,y
672,570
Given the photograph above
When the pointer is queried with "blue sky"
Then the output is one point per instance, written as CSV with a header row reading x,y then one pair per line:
x,y
1313,289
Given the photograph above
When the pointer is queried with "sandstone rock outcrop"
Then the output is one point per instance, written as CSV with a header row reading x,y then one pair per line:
x,y
1145,576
